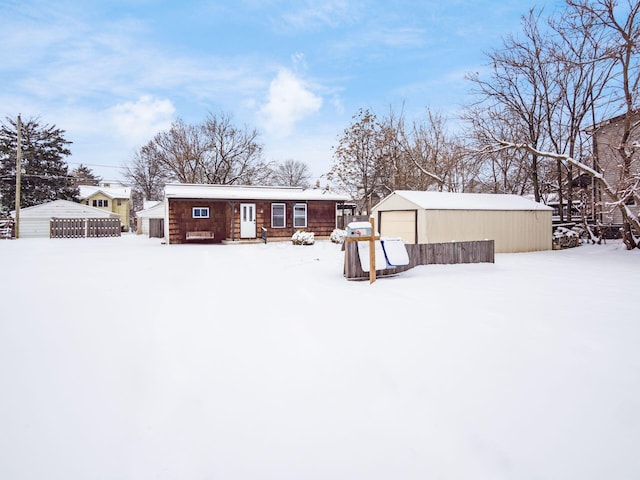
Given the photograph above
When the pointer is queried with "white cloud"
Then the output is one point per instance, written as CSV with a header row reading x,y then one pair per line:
x,y
289,101
319,13
139,121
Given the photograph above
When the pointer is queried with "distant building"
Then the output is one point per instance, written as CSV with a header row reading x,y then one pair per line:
x,y
607,136
116,199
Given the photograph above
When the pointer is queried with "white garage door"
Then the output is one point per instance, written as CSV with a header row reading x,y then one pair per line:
x,y
399,223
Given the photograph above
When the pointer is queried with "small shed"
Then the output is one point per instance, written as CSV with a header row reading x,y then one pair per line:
x,y
150,220
514,223
35,221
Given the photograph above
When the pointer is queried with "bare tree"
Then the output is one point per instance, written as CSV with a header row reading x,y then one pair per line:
x,y
232,155
147,178
579,81
622,34
498,171
518,86
358,165
291,173
179,151
215,152
440,159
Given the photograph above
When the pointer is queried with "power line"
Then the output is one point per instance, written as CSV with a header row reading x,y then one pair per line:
x,y
93,165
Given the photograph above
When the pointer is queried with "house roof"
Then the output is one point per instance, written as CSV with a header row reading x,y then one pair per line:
x,y
242,192
466,201
87,191
63,209
154,211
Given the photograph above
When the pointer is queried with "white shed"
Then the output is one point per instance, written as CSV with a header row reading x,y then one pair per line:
x,y
152,212
516,224
35,221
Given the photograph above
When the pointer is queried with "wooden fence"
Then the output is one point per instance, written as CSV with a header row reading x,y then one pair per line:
x,y
156,227
423,254
84,227
7,228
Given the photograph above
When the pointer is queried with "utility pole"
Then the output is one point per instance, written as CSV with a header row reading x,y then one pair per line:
x,y
18,171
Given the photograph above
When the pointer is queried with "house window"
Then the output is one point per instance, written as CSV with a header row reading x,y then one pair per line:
x,y
300,215
95,203
105,203
119,202
200,212
278,217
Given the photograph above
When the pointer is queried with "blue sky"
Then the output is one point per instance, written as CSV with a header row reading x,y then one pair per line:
x,y
114,73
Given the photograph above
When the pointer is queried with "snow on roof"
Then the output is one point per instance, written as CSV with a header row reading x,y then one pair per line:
x,y
468,201
242,192
156,210
87,191
63,209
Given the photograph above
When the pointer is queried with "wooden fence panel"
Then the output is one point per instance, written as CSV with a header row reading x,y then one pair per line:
x,y
84,227
156,227
423,254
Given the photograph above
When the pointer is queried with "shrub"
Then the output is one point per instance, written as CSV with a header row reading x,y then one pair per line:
x,y
303,238
337,236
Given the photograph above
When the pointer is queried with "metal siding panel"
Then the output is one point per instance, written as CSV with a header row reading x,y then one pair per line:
x,y
34,228
399,224
512,231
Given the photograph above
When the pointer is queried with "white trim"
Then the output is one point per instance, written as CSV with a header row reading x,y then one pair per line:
x,y
200,210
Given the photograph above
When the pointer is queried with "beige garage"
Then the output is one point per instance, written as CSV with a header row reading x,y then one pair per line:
x,y
516,224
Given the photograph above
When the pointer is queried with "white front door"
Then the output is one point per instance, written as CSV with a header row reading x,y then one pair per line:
x,y
247,220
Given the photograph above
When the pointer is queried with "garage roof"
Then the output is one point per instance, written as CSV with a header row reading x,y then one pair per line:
x,y
63,209
466,201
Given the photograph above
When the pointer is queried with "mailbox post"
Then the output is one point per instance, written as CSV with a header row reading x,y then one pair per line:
x,y
365,232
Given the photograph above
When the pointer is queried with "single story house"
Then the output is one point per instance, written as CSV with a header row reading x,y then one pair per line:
x,y
150,220
108,198
229,213
515,223
35,221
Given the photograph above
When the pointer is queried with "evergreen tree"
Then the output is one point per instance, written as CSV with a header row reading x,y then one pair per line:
x,y
83,175
45,175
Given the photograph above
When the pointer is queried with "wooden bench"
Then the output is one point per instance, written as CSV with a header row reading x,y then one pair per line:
x,y
200,235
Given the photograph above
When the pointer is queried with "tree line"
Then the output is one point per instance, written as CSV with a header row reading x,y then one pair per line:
x,y
530,127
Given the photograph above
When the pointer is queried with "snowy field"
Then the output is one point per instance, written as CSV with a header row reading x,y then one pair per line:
x,y
127,359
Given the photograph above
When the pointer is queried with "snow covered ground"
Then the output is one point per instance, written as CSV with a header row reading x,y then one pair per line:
x,y
127,359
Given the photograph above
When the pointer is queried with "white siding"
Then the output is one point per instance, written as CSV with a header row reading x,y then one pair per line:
x,y
35,221
34,227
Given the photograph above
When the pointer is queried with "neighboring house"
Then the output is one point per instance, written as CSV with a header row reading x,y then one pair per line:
x,y
221,213
606,139
35,221
150,220
515,223
109,199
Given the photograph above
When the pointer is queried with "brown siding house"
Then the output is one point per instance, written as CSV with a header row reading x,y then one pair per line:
x,y
229,213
